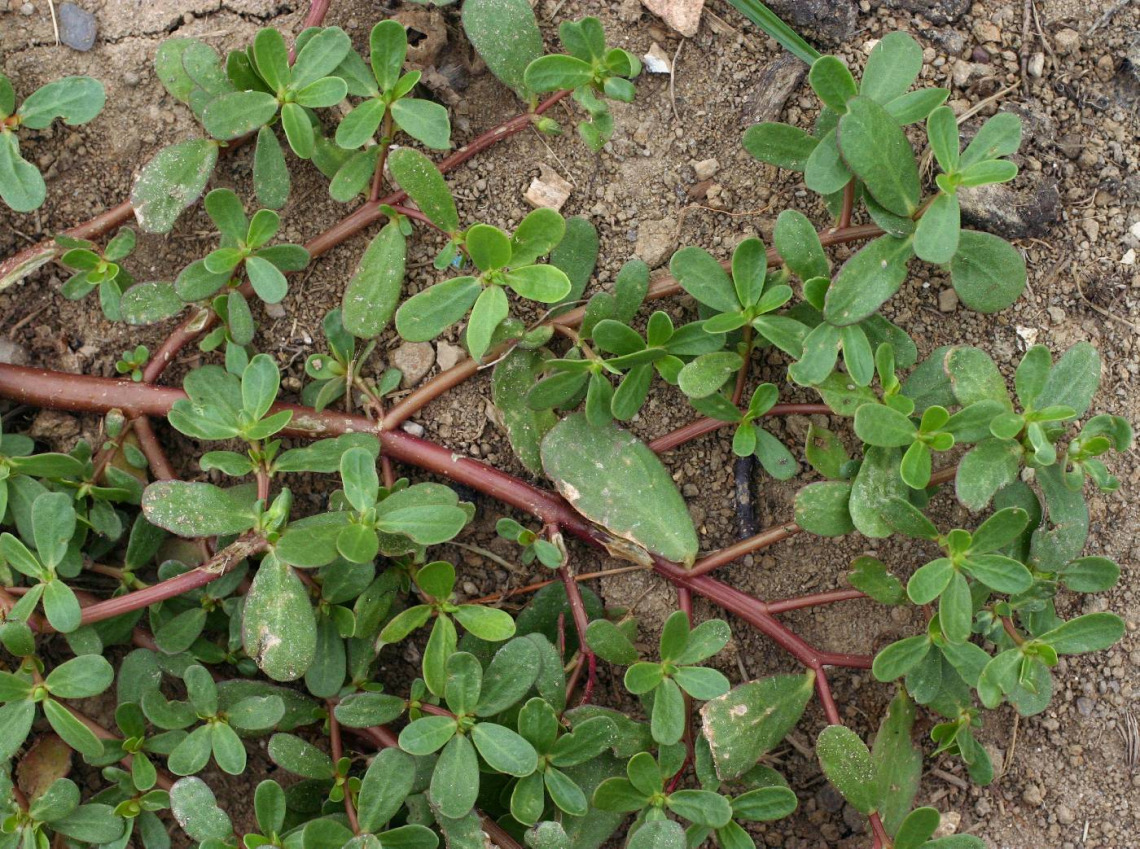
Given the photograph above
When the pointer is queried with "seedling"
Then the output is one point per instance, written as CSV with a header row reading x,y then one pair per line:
x,y
77,100
332,621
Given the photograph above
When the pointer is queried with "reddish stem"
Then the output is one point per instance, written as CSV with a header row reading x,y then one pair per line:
x,y
882,839
580,617
57,390
699,427
813,600
336,750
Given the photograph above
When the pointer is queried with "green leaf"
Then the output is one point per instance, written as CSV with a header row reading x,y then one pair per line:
x,y
704,278
781,145
238,113
658,834
76,100
512,378
708,373
876,149
870,576
847,763
956,609
195,509
667,721
1073,380
299,757
171,182
22,186
1090,574
490,308
822,508
558,71
928,581
999,136
702,807
832,82
53,524
610,643
73,732
900,657
1091,632
455,780
386,784
319,57
877,482
509,677
799,245
196,810
464,681
373,293
424,121
427,734
270,173
543,283
298,130
489,247
272,58
974,377
752,719
939,229
867,280
576,254
884,426
81,677
418,176
147,303
905,518
503,749
278,627
898,762
641,505
825,171
61,606
987,272
942,131
486,623
892,67
505,34
322,93
428,313
15,722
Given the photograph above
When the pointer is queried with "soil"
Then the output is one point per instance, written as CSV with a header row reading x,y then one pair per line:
x,y
1064,776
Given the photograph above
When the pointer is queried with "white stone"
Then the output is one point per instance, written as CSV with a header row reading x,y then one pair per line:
x,y
1036,65
657,61
1129,257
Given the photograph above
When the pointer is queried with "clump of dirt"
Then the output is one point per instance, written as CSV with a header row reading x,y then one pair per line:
x,y
675,174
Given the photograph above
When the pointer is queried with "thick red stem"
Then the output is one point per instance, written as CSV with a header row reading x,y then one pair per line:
x,y
58,390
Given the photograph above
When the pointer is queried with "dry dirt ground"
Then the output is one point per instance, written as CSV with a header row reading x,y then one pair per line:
x,y
1064,777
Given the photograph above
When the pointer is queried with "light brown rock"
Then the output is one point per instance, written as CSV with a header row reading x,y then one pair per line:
x,y
548,189
682,15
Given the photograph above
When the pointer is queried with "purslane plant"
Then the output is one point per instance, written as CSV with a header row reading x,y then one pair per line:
x,y
76,100
288,617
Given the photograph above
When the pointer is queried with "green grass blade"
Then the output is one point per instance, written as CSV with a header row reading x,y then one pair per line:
x,y
767,20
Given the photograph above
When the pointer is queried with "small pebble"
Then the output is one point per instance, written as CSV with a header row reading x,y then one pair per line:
x,y
76,27
27,10
947,300
1067,41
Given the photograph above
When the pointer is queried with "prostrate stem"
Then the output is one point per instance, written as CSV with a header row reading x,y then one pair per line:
x,y
57,390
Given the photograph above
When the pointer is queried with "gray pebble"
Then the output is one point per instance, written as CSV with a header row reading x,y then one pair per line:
x,y
27,10
76,27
